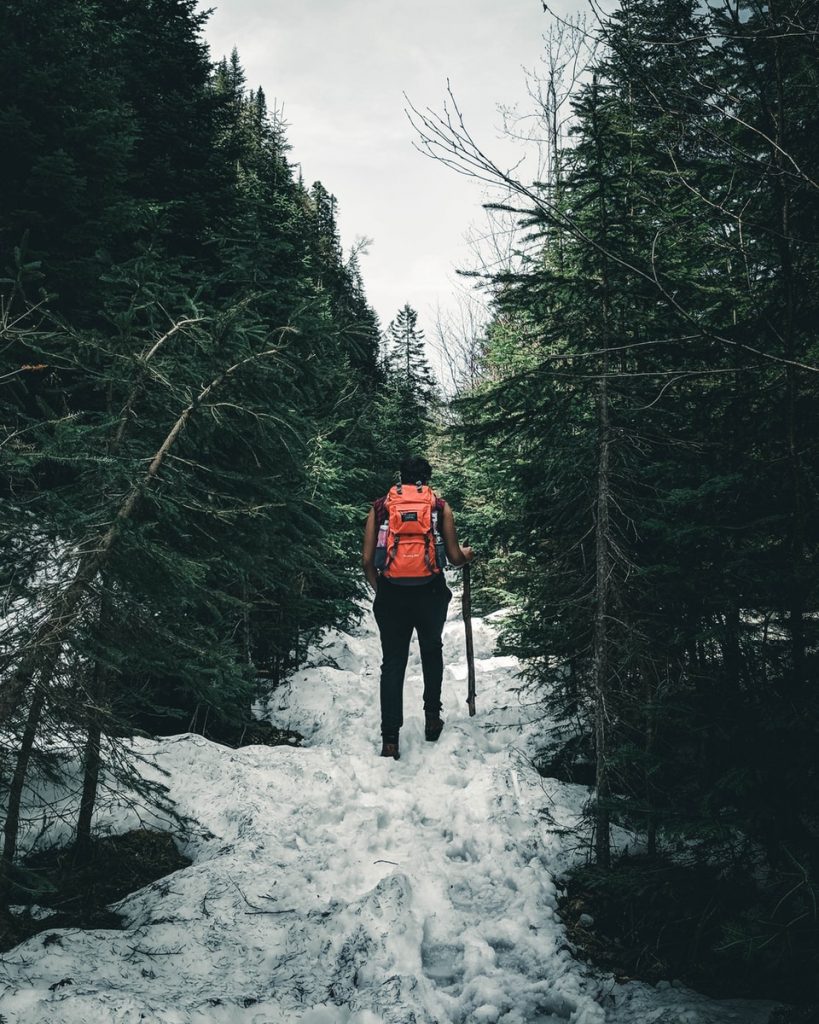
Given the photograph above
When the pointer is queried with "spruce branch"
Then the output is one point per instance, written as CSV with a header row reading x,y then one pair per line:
x,y
47,644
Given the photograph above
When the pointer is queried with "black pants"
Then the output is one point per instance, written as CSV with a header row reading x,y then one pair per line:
x,y
398,611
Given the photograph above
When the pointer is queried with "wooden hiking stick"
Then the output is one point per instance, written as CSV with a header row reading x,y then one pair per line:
x,y
466,609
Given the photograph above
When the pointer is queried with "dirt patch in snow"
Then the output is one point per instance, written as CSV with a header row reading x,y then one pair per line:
x,y
54,889
265,735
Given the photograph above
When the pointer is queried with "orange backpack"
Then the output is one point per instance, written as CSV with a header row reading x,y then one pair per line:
x,y
407,536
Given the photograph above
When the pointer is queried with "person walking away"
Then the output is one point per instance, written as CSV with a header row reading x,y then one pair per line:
x,y
405,536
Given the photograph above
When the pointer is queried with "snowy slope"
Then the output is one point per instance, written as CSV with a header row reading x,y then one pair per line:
x,y
330,886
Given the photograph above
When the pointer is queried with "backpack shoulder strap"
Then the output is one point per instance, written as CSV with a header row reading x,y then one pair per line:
x,y
381,513
438,513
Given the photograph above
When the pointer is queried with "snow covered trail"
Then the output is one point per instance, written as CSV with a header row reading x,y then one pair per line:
x,y
331,886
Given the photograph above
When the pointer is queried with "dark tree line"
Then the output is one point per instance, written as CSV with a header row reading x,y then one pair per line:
x,y
643,456
195,410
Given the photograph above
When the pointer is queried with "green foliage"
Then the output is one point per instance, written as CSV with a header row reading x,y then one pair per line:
x,y
671,257
714,929
411,396
194,413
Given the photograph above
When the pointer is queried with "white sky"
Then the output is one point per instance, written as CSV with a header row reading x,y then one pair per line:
x,y
339,68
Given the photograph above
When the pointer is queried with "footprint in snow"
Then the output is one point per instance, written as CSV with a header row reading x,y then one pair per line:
x,y
484,897
464,850
442,963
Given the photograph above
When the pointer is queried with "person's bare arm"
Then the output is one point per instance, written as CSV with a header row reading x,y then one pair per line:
x,y
368,551
456,555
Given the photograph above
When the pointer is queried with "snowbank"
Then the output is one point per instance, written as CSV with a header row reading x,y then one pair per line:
x,y
330,886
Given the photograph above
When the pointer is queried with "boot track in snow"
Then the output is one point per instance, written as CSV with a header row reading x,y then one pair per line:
x,y
331,886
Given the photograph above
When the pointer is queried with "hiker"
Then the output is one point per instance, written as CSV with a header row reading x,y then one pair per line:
x,y
406,534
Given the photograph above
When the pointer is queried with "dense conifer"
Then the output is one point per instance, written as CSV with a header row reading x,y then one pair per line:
x,y
644,420
193,407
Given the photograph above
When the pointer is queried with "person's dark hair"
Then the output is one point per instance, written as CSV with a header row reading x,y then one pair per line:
x,y
414,468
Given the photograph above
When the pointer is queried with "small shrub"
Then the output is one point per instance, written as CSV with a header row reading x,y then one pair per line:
x,y
721,933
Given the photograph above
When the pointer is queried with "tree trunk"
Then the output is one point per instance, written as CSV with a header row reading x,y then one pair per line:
x,y
600,658
797,531
92,755
12,823
91,774
603,554
651,693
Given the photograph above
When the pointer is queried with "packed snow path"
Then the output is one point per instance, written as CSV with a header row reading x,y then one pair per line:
x,y
331,886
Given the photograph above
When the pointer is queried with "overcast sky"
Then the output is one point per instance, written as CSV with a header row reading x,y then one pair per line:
x,y
340,68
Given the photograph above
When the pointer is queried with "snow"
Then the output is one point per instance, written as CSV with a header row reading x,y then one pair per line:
x,y
331,886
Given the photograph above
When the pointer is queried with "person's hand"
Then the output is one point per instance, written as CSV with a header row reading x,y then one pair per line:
x,y
468,553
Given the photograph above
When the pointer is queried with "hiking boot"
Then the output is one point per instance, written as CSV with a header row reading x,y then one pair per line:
x,y
432,728
389,748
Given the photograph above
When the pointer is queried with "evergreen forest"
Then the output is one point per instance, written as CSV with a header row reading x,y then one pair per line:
x,y
198,403
637,447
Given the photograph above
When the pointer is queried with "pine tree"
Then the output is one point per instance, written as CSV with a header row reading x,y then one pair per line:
x,y
407,356
412,392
